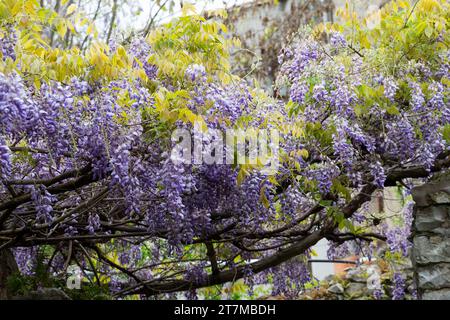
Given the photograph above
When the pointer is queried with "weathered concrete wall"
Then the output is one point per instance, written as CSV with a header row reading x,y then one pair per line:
x,y
431,238
265,28
362,8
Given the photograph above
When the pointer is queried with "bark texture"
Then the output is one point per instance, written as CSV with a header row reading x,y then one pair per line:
x,y
8,266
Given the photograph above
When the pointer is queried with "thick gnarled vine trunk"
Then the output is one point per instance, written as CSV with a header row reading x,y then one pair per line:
x,y
8,266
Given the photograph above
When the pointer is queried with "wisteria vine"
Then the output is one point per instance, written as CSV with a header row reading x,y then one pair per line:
x,y
86,173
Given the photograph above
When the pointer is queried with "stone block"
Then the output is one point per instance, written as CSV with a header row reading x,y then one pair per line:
x,y
428,219
431,249
434,277
437,192
443,294
336,288
356,289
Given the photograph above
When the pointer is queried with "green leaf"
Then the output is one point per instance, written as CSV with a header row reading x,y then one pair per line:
x,y
263,197
393,110
446,132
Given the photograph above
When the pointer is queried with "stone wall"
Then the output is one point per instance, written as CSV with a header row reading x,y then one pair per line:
x,y
368,281
431,238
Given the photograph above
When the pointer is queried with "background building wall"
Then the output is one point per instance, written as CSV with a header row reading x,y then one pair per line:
x,y
264,28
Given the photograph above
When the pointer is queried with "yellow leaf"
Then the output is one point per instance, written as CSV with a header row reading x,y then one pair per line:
x,y
188,8
263,197
241,176
28,44
121,51
91,29
429,5
71,9
62,29
403,4
70,26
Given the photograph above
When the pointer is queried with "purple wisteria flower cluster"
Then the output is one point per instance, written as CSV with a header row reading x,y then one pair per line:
x,y
358,126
